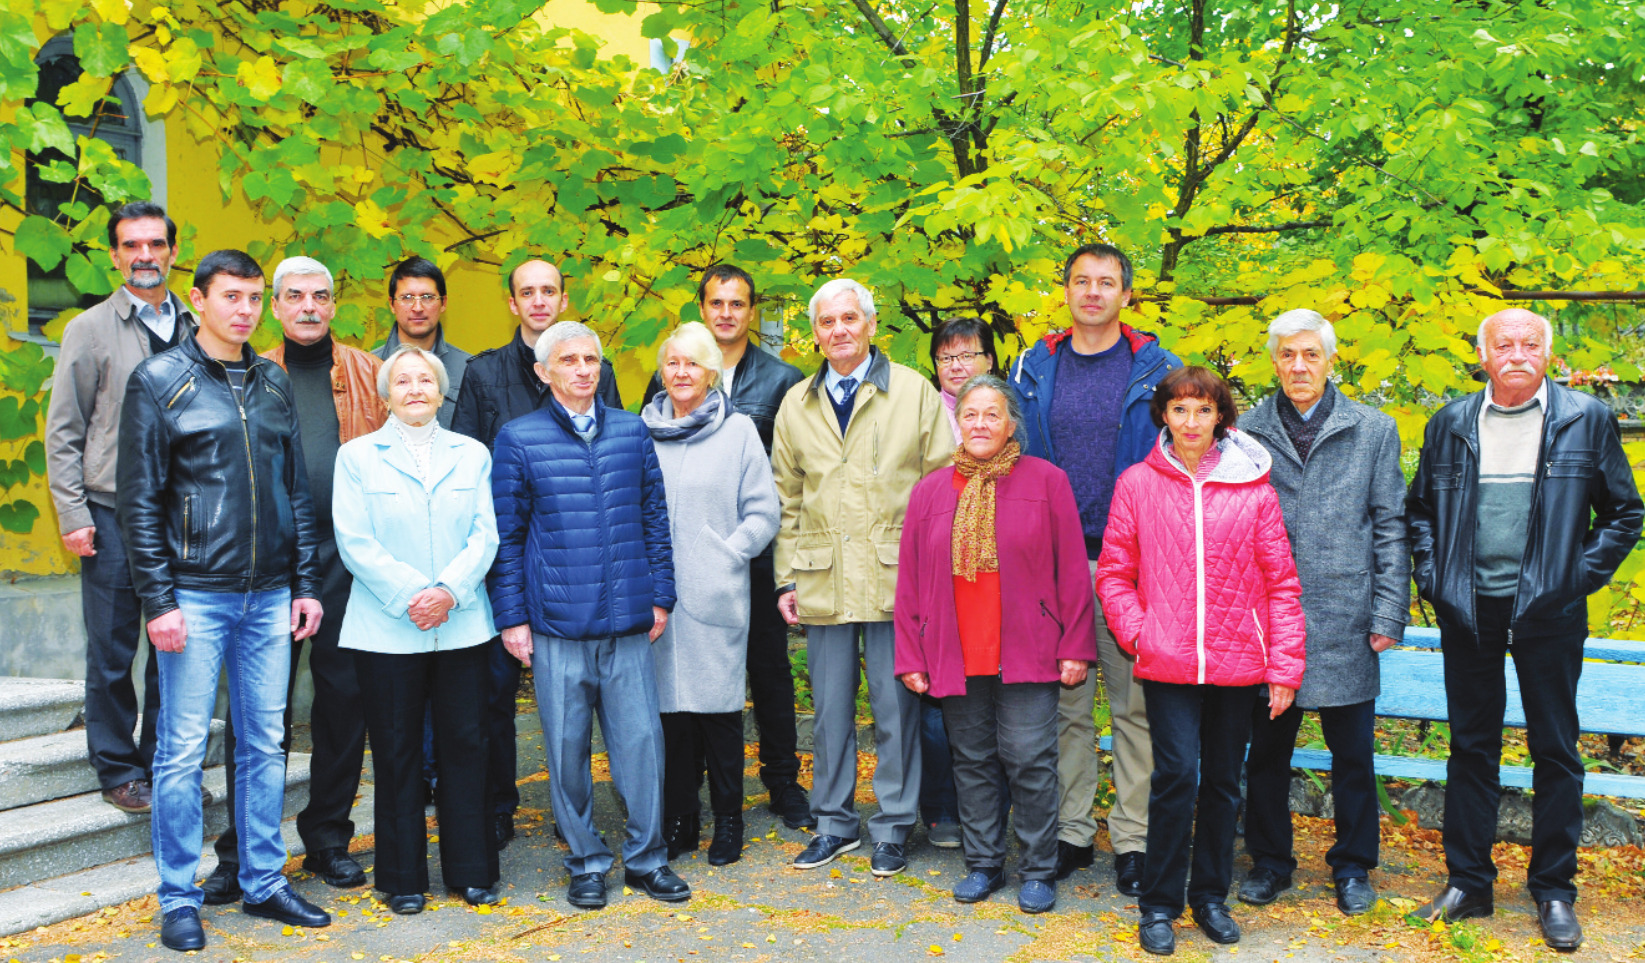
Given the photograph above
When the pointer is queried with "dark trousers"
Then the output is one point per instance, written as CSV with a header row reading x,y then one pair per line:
x,y
1549,665
114,623
502,786
1199,734
1348,734
396,689
939,796
693,742
771,678
337,725
1012,728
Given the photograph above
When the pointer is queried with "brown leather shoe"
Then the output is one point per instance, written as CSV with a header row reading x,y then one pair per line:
x,y
132,797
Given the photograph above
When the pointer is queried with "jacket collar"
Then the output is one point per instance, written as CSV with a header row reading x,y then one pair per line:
x,y
191,346
1240,459
879,372
439,348
1264,420
1560,412
1137,339
442,454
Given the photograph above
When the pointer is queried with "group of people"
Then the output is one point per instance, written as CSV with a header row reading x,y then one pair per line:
x,y
995,551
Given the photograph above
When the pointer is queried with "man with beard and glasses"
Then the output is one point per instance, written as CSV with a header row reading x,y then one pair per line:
x,y
100,349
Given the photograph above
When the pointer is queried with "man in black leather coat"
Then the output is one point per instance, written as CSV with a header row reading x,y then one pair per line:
x,y
499,386
1522,506
756,381
214,505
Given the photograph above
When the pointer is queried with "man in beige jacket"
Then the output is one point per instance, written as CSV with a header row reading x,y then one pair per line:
x,y
100,348
849,445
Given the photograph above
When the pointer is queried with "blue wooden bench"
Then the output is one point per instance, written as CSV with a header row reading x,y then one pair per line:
x,y
1610,699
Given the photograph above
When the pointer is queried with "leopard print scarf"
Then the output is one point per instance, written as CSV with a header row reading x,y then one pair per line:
x,y
974,548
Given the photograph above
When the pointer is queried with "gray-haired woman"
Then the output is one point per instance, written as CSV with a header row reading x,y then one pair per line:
x,y
722,511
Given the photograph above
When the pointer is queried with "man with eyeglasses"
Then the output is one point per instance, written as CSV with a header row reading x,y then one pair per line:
x,y
417,296
334,388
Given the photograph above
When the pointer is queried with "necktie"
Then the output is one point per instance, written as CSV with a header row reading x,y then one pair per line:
x,y
848,387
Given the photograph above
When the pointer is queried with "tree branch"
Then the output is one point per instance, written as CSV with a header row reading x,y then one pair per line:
x,y
880,28
991,34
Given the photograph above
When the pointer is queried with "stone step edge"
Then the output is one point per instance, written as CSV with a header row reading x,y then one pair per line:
x,y
37,707
45,756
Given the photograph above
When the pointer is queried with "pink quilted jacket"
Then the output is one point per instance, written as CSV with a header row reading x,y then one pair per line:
x,y
1196,577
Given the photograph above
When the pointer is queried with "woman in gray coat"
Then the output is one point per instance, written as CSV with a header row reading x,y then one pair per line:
x,y
722,511
1336,469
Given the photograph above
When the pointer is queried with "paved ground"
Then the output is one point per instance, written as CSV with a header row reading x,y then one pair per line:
x,y
761,910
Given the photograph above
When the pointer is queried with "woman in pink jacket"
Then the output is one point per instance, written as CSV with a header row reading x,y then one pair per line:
x,y
993,613
1196,580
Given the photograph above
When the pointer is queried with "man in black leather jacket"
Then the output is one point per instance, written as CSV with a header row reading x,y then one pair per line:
x,y
1523,504
214,506
499,386
756,381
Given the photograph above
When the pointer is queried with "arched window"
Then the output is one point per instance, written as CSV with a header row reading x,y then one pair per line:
x,y
119,122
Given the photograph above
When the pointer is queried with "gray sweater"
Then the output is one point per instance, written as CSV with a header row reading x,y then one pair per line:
x,y
722,511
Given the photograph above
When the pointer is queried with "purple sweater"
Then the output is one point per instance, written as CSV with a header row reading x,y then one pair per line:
x,y
1085,426
1047,611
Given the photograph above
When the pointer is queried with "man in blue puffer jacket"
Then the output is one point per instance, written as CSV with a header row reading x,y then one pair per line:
x,y
582,585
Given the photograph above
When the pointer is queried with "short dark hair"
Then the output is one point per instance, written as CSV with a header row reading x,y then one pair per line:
x,y
137,211
959,329
236,264
416,267
1195,382
726,272
1108,251
515,268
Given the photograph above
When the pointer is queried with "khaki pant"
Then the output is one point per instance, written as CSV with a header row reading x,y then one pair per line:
x,y
1077,765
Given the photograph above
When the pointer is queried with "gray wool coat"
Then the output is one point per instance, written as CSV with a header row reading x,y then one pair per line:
x,y
1344,510
722,511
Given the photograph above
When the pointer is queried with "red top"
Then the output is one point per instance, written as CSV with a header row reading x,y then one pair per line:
x,y
978,606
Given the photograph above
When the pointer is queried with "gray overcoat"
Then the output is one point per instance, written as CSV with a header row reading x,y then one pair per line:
x,y
722,511
1344,510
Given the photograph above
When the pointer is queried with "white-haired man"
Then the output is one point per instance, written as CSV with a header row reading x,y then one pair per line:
x,y
1523,504
848,446
1336,469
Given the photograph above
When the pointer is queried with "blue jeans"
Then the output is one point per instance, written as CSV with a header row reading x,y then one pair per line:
x,y
249,635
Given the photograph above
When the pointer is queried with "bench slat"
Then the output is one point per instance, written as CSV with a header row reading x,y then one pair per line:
x,y
1419,768
1606,695
1603,650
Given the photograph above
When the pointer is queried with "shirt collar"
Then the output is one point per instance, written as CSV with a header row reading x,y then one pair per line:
x,y
146,311
1541,396
833,378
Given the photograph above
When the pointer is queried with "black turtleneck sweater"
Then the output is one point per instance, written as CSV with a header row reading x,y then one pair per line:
x,y
309,366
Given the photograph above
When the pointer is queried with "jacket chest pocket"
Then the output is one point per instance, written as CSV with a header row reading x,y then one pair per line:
x,y
1575,464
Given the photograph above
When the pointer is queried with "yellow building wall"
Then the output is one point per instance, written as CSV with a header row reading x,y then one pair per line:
x,y
477,317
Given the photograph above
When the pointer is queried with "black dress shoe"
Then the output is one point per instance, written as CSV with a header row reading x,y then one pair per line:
x,y
682,833
789,803
660,883
1560,929
889,859
287,907
336,867
1355,897
1071,857
476,895
407,904
222,886
180,930
1157,934
1453,904
727,846
824,849
1213,920
1262,887
502,829
1128,868
587,891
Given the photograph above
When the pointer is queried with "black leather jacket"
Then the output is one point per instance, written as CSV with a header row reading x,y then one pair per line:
x,y
757,391
1569,553
212,493
500,385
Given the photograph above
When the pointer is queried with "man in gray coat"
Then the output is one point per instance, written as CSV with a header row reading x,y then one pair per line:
x,y
1336,469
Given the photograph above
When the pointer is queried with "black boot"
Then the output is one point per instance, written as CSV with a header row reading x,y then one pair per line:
x,y
727,846
682,834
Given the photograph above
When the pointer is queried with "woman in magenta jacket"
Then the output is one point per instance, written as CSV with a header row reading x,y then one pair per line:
x,y
993,613
1196,580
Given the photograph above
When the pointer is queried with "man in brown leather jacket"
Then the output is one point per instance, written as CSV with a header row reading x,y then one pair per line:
x,y
335,388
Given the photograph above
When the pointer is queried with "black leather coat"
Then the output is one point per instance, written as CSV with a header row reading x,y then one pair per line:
x,y
212,493
500,385
757,391
1585,513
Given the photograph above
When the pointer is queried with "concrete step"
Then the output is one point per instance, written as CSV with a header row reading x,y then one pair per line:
x,y
43,768
38,707
68,835
76,894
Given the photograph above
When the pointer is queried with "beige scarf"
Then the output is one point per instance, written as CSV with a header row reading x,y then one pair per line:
x,y
974,548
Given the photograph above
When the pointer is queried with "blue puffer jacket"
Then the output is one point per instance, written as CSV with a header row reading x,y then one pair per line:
x,y
582,527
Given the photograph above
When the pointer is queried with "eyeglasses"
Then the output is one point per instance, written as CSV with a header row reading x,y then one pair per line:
x,y
964,357
423,299
296,297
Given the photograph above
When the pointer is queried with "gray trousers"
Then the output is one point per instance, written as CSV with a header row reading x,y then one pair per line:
x,y
831,656
1077,765
616,679
1014,726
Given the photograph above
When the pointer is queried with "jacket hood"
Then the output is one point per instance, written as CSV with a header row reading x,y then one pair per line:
x,y
1241,459
1137,339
